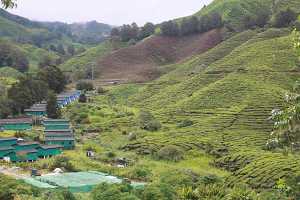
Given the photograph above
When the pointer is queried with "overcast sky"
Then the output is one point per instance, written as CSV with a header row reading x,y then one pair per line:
x,y
114,12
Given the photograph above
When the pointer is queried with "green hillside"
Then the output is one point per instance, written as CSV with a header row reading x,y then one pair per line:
x,y
234,11
228,101
78,65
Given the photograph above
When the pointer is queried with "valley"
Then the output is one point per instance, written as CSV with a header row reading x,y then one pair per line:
x,y
189,113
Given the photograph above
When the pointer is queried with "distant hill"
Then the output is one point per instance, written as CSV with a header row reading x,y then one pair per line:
x,y
24,30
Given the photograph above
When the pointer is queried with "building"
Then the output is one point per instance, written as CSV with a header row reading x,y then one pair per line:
x,y
68,143
56,124
14,151
37,110
47,151
58,132
17,124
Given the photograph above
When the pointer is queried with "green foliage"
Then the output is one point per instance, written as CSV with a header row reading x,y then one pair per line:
x,y
62,162
185,123
112,192
171,153
284,18
170,28
10,188
82,98
140,173
53,111
54,77
12,56
85,86
8,3
148,122
242,193
25,93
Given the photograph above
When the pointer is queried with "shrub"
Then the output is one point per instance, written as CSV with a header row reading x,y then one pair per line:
x,y
211,191
148,122
140,173
284,18
185,123
85,85
210,179
170,28
101,90
63,163
82,98
110,154
242,193
170,153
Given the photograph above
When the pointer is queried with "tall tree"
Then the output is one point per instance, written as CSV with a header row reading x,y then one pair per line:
x,y
53,110
8,3
54,77
147,30
170,28
71,50
284,18
61,49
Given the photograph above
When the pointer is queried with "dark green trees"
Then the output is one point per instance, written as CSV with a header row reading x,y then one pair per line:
x,y
170,28
284,18
52,108
11,56
54,77
147,30
25,93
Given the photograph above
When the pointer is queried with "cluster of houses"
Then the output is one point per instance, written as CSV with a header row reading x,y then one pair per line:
x,y
58,136
63,99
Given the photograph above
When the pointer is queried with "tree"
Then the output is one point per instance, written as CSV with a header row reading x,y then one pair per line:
x,y
52,48
53,110
147,30
71,50
209,22
61,49
54,77
8,3
85,85
115,32
46,61
25,93
5,110
189,26
82,98
170,28
284,18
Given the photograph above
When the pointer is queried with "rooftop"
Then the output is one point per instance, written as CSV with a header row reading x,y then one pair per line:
x,y
8,139
51,146
56,120
27,143
27,151
16,120
58,131
60,139
6,148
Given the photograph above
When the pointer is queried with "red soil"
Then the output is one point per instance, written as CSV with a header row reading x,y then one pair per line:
x,y
139,63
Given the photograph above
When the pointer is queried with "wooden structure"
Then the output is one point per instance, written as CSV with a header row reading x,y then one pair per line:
x,y
16,124
37,110
58,132
14,151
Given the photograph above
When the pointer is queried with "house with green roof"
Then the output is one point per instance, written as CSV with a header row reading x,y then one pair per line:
x,y
14,151
37,110
46,151
56,124
16,124
68,143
